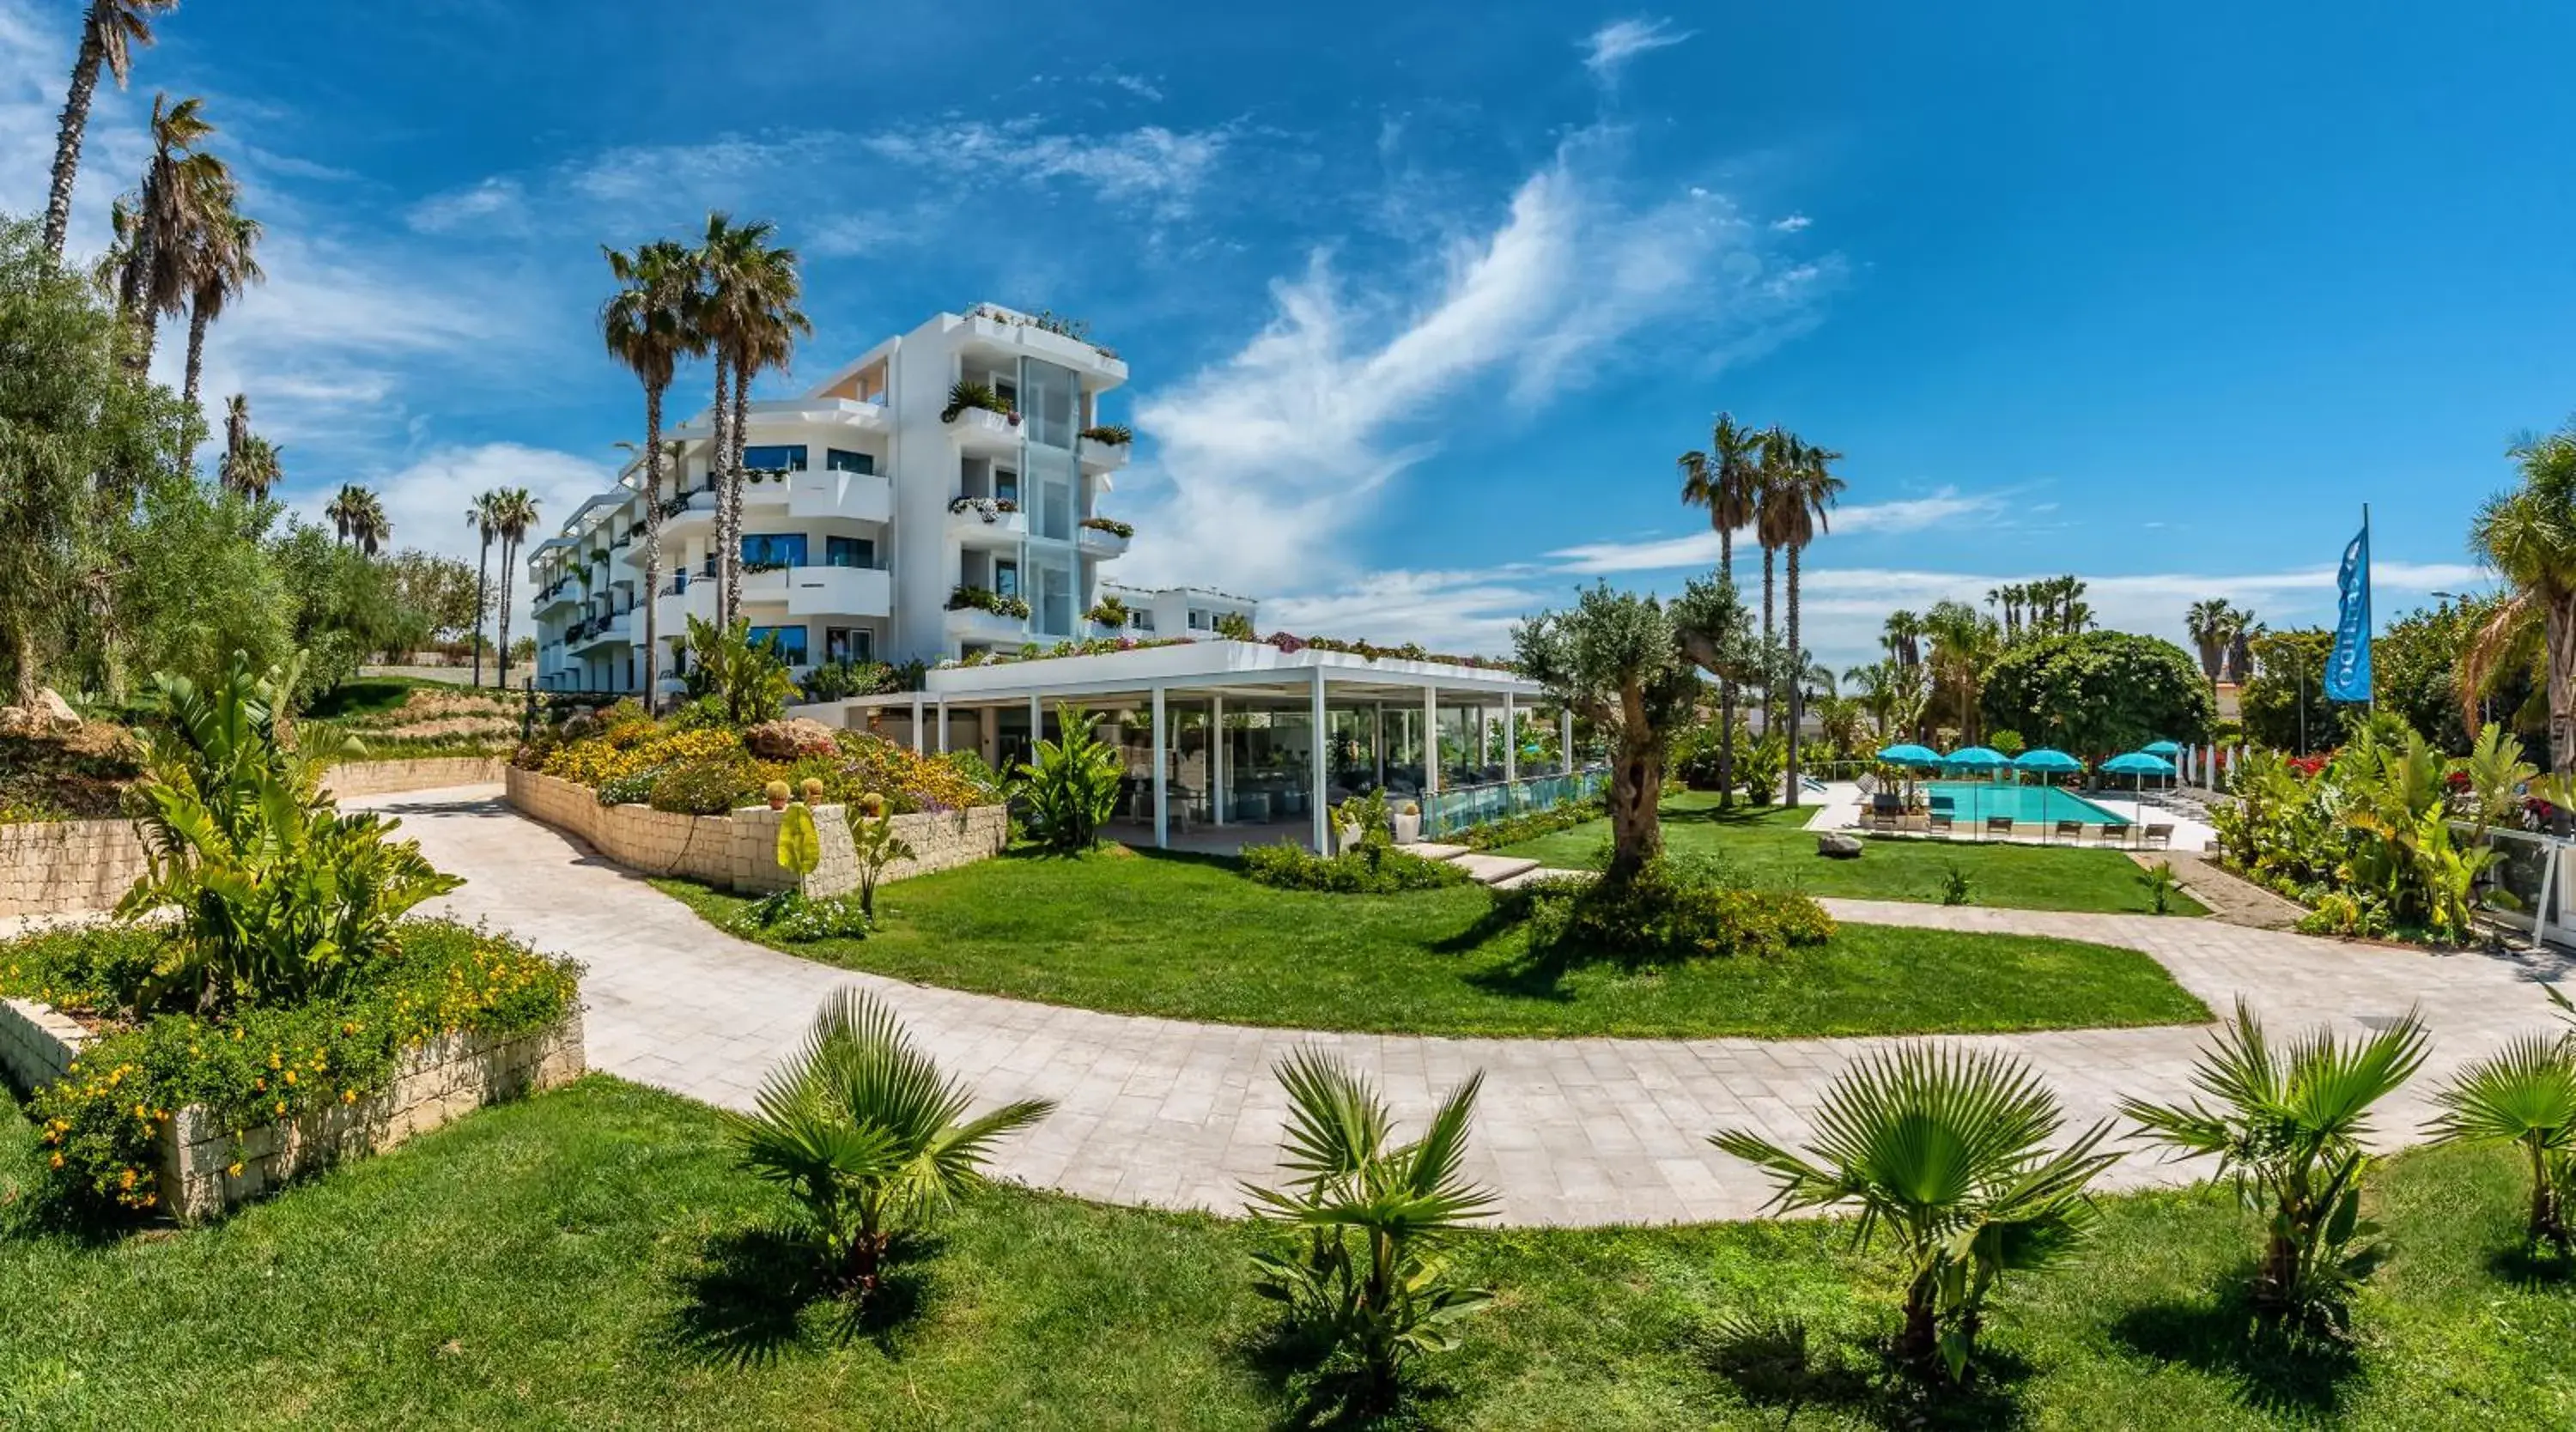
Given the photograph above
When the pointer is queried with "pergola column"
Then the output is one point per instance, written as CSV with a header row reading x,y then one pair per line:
x,y
1511,743
1322,846
943,728
1378,743
1037,726
1216,759
1162,797
1430,740
1565,738
916,725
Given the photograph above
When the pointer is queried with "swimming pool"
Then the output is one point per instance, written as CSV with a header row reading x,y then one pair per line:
x,y
1973,801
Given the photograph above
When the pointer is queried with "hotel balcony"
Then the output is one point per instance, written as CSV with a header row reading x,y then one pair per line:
x,y
602,631
1099,544
565,593
970,523
824,591
977,625
1100,457
980,430
999,337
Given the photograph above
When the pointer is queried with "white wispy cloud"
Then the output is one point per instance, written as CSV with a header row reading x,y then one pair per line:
x,y
496,205
426,499
1700,549
1608,49
1293,435
1162,166
1792,224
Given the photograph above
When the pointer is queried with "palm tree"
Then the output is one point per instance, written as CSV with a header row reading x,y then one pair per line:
x,y
2242,628
482,516
514,515
1963,644
750,317
109,34
1391,1299
1903,635
179,184
221,263
2207,624
1876,682
645,324
1946,1152
862,1127
1725,479
253,469
358,517
2528,537
1781,454
236,425
2288,1128
2523,1095
1795,515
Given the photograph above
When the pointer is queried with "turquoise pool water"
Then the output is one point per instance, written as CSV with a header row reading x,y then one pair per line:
x,y
1973,801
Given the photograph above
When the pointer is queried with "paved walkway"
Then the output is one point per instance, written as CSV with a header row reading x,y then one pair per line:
x,y
1574,1131
2230,897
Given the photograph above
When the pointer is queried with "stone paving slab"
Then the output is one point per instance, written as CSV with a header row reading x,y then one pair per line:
x,y
1571,1131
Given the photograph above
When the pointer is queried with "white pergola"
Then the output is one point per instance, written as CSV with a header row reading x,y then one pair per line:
x,y
1248,673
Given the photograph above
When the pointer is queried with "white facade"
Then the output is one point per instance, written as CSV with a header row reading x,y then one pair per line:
x,y
1178,611
889,514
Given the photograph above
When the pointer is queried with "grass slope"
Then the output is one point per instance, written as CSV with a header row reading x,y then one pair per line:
x,y
1189,938
1772,847
592,1258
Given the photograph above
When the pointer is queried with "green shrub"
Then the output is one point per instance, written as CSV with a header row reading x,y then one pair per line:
x,y
1073,785
1956,888
255,1064
798,918
1512,830
1369,870
1672,910
712,786
632,789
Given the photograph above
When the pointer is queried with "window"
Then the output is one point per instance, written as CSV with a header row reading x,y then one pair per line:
x,y
849,552
835,460
1006,578
782,549
1198,619
1141,620
849,644
790,456
1006,484
791,641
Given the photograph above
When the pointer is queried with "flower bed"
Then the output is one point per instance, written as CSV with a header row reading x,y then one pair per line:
x,y
194,1113
628,759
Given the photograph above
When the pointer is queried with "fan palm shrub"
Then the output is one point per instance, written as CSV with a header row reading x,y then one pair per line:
x,y
873,846
870,1137
1365,1277
2523,1095
2286,1126
1947,1153
1072,787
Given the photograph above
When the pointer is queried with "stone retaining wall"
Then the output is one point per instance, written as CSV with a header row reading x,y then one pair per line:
x,y
740,851
62,867
445,1079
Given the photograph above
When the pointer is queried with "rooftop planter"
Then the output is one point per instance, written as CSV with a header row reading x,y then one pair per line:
x,y
1112,526
984,599
1109,435
963,396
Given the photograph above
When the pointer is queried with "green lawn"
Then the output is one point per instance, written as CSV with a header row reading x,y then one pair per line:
x,y
1771,847
591,1258
1189,938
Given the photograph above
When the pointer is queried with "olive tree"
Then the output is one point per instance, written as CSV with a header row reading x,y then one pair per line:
x,y
1615,659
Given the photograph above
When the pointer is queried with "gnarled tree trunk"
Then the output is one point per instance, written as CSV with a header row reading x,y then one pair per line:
x,y
733,483
652,544
2559,632
67,140
1725,687
1636,790
1797,685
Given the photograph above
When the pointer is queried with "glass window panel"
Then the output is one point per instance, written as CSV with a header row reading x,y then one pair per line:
x,y
790,456
790,639
849,552
786,549
835,460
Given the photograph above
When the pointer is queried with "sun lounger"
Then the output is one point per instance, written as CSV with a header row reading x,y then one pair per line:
x,y
1999,825
2071,830
2157,837
1941,822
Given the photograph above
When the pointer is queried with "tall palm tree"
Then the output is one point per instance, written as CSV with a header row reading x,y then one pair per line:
x,y
2528,537
645,324
2242,628
1780,456
252,468
1963,644
1902,635
110,33
359,517
2206,623
178,183
222,262
1725,478
483,517
1793,516
514,515
751,317
236,425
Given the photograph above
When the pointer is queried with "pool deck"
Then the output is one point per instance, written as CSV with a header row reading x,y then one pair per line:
x,y
1839,808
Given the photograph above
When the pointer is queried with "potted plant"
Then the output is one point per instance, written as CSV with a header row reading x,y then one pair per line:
x,y
812,788
1408,823
778,793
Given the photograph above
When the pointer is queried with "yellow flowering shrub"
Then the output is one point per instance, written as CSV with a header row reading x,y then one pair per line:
x,y
706,770
260,1063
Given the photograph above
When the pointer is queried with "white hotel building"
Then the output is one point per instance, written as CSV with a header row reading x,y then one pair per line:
x,y
886,513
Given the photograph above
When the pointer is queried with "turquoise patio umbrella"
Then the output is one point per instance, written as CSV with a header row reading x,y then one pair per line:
x,y
2047,760
2166,749
1975,758
1910,755
2138,764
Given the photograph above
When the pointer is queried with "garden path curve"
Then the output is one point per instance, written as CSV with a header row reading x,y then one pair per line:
x,y
1571,1131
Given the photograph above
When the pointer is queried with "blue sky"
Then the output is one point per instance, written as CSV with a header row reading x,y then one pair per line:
x,y
1420,302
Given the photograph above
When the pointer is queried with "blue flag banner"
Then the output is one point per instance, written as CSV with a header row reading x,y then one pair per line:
x,y
2348,670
